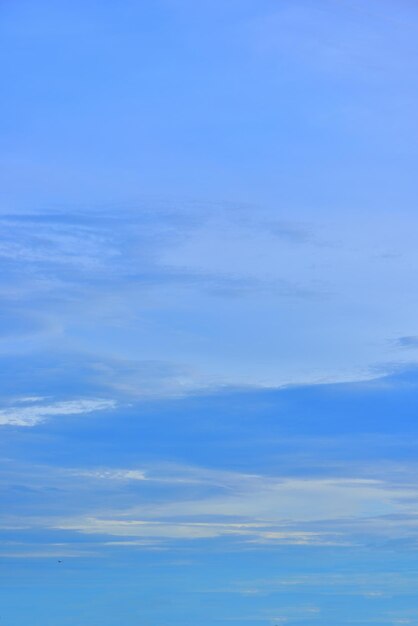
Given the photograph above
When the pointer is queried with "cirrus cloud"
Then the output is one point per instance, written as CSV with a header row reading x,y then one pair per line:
x,y
34,414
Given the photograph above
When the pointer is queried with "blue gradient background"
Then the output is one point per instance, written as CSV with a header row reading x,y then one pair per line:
x,y
209,313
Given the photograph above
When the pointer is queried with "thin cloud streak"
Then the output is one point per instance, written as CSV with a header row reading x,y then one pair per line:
x,y
30,416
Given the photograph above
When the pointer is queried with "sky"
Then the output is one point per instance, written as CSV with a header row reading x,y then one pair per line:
x,y
209,313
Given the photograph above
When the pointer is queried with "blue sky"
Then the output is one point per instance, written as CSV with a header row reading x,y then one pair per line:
x,y
209,314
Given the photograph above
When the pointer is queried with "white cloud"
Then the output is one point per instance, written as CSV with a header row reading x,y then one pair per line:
x,y
37,413
41,554
172,502
252,508
30,399
112,474
182,530
280,499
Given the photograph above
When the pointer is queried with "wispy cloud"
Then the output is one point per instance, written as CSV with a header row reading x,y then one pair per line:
x,y
155,284
188,530
112,474
34,414
384,584
162,503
